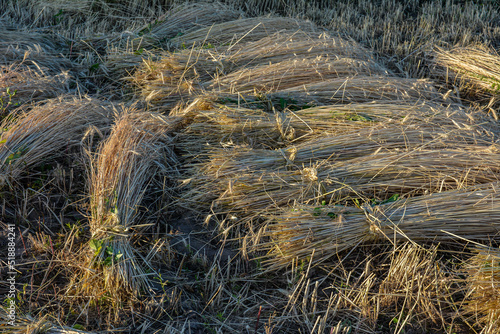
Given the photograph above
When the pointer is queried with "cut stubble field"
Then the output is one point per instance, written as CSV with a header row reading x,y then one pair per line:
x,y
249,166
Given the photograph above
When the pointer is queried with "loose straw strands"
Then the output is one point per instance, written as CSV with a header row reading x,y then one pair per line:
x,y
121,173
187,17
46,131
484,288
326,230
243,30
475,69
418,284
28,85
292,73
362,89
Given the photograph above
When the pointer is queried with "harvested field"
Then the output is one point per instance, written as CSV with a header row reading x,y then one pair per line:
x,y
249,166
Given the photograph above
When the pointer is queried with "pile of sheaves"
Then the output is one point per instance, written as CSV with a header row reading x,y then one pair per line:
x,y
301,145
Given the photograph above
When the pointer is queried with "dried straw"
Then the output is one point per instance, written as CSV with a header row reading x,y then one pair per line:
x,y
121,64
292,73
229,125
187,17
361,89
120,177
238,187
45,132
30,85
176,76
36,50
484,288
471,213
417,285
475,69
296,45
243,30
255,180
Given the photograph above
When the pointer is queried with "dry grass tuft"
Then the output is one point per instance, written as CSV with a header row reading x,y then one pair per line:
x,y
484,289
475,70
46,131
29,325
297,45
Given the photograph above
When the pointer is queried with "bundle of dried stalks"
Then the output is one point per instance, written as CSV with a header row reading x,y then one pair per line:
x,y
417,285
46,131
121,175
475,69
101,43
399,136
20,84
292,73
484,289
299,231
225,125
187,17
243,30
252,180
361,89
38,51
121,64
296,45
241,187
176,76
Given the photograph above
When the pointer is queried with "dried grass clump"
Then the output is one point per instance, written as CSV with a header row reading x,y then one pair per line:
x,y
475,69
484,289
45,132
243,30
299,231
417,287
189,16
359,89
293,73
26,85
121,177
